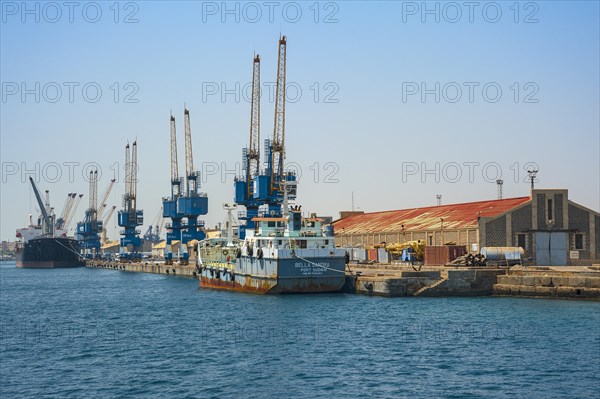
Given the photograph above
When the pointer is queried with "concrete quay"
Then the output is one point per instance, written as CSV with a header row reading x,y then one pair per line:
x,y
145,267
438,281
572,282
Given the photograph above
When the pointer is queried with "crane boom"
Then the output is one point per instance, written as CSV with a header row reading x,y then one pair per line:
x,y
60,222
157,217
160,227
253,157
64,210
104,224
102,202
45,215
68,208
72,210
278,153
109,215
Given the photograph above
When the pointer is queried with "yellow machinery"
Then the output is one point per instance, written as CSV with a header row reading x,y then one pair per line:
x,y
418,247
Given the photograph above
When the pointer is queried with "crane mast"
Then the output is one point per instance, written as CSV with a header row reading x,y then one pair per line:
x,y
278,143
175,179
93,201
127,175
253,154
47,204
190,173
170,204
133,178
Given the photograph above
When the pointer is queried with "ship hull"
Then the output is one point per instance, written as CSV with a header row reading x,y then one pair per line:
x,y
49,253
276,276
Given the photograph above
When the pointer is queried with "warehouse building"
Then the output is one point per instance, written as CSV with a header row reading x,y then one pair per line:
x,y
550,228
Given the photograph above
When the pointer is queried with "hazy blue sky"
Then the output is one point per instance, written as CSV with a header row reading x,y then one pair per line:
x,y
360,120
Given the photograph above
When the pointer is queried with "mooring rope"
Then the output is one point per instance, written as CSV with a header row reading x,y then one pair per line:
x,y
316,264
68,249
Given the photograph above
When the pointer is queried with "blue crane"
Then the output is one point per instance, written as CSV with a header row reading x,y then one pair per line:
x,y
88,231
189,204
130,217
170,203
244,187
194,203
265,188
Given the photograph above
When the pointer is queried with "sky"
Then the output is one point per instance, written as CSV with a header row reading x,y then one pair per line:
x,y
389,103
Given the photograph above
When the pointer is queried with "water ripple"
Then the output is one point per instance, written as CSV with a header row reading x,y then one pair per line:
x,y
98,333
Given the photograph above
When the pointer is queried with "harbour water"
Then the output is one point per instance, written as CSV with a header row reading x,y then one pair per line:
x,y
107,333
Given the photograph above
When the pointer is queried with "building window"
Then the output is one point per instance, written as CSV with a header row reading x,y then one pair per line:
x,y
522,240
550,210
430,240
578,241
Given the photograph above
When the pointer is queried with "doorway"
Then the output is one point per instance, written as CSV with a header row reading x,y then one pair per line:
x,y
551,248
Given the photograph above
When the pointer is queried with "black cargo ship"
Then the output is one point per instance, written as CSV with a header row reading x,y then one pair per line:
x,y
49,253
46,245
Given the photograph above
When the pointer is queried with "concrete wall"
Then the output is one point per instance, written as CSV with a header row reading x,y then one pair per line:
x,y
558,211
540,211
521,224
579,219
597,229
464,282
560,216
495,232
555,284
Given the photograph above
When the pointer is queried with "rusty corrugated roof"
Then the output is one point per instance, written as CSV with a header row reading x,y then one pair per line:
x,y
456,216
